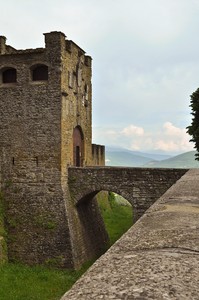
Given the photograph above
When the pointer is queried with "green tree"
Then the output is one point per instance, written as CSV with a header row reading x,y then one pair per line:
x,y
193,129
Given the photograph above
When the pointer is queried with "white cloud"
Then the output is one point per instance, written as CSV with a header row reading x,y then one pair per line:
x,y
132,130
173,131
168,138
167,146
107,160
173,139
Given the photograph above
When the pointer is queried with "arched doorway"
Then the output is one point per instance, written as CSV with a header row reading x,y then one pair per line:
x,y
78,147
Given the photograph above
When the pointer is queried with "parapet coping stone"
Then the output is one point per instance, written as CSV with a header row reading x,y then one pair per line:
x,y
157,258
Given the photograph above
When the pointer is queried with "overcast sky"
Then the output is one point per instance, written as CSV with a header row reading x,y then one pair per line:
x,y
145,62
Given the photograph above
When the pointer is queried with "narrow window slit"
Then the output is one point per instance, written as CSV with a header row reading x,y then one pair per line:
x,y
37,161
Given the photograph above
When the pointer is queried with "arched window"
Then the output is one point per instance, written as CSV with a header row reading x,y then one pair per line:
x,y
9,75
39,72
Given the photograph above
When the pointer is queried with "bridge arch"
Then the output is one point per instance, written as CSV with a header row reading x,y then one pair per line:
x,y
89,211
141,187
89,195
94,229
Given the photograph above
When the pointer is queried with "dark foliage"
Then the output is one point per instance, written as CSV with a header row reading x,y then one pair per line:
x,y
193,129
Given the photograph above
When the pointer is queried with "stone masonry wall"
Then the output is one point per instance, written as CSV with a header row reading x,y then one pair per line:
x,y
3,247
37,121
76,102
30,118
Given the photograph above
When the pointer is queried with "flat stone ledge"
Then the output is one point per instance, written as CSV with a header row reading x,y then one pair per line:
x,y
158,258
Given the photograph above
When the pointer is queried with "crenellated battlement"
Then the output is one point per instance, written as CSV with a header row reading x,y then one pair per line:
x,y
98,155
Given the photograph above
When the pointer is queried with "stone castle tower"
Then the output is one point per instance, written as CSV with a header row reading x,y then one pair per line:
x,y
45,127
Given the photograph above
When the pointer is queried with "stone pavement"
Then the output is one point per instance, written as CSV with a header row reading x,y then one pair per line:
x,y
158,258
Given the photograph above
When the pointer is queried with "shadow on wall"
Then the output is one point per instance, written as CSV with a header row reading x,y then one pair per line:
x,y
116,217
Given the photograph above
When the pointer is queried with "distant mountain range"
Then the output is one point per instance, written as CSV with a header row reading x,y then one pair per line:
x,y
124,157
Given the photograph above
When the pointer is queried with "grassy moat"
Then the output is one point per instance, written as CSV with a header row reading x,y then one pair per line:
x,y
19,282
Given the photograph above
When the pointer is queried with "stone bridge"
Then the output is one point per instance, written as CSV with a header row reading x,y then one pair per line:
x,y
140,186
158,258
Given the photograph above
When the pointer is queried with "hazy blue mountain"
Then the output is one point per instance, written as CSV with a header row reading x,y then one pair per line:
x,y
184,160
152,156
123,157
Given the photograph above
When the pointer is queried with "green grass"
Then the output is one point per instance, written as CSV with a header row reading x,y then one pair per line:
x,y
118,221
117,218
19,282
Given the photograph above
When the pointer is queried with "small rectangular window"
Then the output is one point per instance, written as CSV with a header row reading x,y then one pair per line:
x,y
40,73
